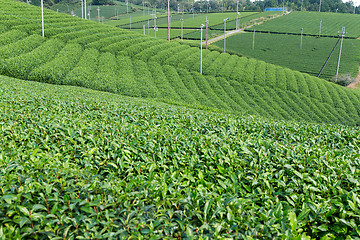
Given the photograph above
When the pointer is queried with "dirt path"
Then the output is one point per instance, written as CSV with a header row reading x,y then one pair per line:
x,y
356,82
213,40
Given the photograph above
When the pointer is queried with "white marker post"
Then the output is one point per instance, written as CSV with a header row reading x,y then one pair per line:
x,y
201,27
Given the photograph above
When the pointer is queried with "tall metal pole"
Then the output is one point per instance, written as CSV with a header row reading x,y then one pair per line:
x,y
253,39
237,14
225,33
207,23
193,10
201,27
320,27
127,7
144,29
169,20
302,1
42,18
155,25
82,9
320,6
301,38
342,37
98,13
130,21
181,20
85,9
148,26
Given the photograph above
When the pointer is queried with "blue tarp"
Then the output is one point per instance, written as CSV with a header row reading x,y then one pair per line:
x,y
273,9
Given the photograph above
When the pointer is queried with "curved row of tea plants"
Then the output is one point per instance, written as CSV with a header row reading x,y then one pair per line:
x,y
82,164
157,69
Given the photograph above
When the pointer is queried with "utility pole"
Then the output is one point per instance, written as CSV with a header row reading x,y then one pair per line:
x,y
181,20
127,7
82,9
143,8
320,27
225,32
193,10
144,29
207,23
98,13
117,16
301,38
253,40
169,20
342,37
201,27
148,26
222,8
85,9
237,14
302,1
130,21
42,18
320,6
178,8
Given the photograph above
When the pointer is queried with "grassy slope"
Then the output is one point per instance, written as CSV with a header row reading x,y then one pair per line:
x,y
310,22
119,61
284,50
89,164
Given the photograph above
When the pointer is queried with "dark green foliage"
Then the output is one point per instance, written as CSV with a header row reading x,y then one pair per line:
x,y
162,84
249,71
146,54
84,73
177,58
215,65
122,44
163,56
271,76
20,66
55,71
260,73
313,87
238,70
228,67
177,85
22,46
107,74
332,89
134,49
11,36
127,83
301,83
280,78
205,87
144,80
190,84
291,83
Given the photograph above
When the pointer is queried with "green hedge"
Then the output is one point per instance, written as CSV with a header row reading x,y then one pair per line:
x,y
190,84
301,83
249,71
177,84
144,80
20,66
238,71
260,73
280,78
313,86
127,84
11,37
162,84
204,86
139,47
146,54
20,47
55,70
120,45
163,56
271,76
291,82
228,67
216,64
84,73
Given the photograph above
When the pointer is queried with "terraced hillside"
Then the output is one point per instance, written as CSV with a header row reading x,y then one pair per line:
x,y
310,22
82,164
82,53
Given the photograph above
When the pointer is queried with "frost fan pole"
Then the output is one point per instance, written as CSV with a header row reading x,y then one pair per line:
x,y
342,38
253,39
42,18
201,27
301,38
169,20
225,32
85,10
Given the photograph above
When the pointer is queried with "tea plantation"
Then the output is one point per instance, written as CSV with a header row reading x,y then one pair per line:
x,y
87,54
246,150
79,164
284,50
310,22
